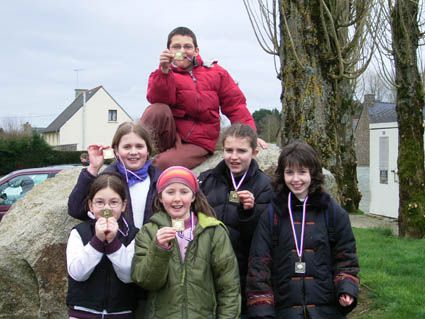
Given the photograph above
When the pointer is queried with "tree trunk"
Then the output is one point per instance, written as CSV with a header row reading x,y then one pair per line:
x,y
316,107
409,106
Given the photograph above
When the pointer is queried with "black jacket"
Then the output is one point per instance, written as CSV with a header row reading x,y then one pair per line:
x,y
103,289
216,184
274,290
77,199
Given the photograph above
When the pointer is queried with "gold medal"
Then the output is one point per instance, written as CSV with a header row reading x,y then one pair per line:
x,y
178,224
108,153
234,197
106,213
179,56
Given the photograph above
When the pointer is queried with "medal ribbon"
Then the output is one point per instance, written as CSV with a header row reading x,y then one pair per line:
x,y
301,246
240,182
181,233
126,225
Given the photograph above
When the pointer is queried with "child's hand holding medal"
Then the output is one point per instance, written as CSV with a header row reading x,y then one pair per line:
x,y
97,156
165,235
106,226
247,199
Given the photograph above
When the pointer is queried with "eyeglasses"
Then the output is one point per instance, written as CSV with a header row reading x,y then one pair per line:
x,y
99,203
186,47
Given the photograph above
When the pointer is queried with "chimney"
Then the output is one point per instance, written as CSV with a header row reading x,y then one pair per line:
x,y
369,100
79,91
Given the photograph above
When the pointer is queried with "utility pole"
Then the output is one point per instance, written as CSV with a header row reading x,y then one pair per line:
x,y
83,112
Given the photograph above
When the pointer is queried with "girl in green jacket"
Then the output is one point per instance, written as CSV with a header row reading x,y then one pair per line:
x,y
184,257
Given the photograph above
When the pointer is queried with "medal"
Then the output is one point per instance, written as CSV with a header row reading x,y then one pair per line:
x,y
108,153
178,224
233,195
179,56
181,233
106,213
300,266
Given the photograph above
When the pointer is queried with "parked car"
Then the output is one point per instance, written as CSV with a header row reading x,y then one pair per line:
x,y
16,184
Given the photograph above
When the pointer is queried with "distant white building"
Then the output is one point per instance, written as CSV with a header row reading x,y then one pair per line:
x,y
383,177
92,118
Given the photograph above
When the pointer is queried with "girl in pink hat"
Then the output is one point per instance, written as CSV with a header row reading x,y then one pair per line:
x,y
183,256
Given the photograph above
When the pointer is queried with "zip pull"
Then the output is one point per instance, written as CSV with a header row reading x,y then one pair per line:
x,y
192,76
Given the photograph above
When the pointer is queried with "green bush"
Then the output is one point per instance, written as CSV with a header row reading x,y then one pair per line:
x,y
28,151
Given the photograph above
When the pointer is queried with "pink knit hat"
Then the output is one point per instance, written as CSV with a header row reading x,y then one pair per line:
x,y
177,174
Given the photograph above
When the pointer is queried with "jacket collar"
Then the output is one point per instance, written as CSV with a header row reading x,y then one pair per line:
x,y
221,171
153,172
318,201
163,219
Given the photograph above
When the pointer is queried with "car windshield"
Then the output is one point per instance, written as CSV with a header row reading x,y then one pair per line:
x,y
18,186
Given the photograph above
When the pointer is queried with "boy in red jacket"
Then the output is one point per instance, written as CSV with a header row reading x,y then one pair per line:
x,y
187,96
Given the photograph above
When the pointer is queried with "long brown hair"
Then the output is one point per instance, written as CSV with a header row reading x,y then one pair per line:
x,y
128,127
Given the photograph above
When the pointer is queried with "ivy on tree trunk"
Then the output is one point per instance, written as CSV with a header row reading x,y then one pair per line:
x,y
409,107
317,103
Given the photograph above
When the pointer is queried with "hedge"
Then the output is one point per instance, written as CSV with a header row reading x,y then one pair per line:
x,y
29,151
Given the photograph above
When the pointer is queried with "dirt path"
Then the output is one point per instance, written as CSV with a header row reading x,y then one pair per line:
x,y
373,221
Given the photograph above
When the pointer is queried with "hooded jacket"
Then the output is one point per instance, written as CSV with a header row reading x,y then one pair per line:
x,y
195,97
216,184
274,290
205,285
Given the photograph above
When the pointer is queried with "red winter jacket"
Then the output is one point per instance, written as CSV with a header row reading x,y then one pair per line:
x,y
195,98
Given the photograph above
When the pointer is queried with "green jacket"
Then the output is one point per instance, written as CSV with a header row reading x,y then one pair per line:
x,y
205,285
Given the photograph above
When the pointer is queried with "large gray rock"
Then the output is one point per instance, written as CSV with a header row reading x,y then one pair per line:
x,y
33,236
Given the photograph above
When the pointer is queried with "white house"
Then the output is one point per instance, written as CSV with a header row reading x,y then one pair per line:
x,y
92,118
383,178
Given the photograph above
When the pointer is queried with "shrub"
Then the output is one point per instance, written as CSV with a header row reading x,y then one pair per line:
x,y
30,150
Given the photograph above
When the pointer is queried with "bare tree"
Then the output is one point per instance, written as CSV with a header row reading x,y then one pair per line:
x,y
372,82
13,128
322,47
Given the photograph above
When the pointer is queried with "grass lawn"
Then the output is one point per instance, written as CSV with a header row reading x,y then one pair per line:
x,y
392,274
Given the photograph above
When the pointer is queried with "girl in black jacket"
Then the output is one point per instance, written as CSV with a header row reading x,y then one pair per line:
x,y
300,266
131,147
238,191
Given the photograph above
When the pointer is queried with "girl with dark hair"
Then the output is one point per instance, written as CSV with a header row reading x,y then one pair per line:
x,y
238,191
131,147
99,254
303,261
184,257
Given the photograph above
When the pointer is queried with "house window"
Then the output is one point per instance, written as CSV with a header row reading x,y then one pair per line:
x,y
383,159
112,115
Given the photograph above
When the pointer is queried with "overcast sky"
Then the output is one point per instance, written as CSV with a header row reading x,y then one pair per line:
x,y
117,44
